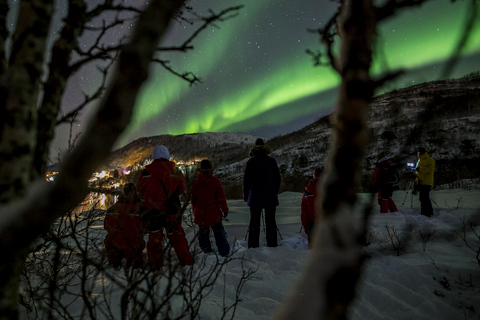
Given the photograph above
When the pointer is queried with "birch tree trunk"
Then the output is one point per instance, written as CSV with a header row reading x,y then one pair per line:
x,y
328,281
54,87
20,85
22,221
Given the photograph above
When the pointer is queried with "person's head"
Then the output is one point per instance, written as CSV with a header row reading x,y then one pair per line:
x,y
317,172
421,151
206,166
259,142
161,152
130,192
259,149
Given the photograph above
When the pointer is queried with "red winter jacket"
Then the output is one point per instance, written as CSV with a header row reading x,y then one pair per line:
x,y
149,183
308,203
380,174
208,200
124,225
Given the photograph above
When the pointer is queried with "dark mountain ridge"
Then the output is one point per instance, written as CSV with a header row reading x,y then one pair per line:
x,y
443,116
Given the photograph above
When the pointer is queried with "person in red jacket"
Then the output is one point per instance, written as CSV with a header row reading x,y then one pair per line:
x,y
307,216
385,176
125,230
208,202
161,184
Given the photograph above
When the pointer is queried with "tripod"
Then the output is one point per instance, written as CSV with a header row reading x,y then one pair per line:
x,y
411,188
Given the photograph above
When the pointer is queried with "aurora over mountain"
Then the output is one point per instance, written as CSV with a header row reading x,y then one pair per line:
x,y
257,78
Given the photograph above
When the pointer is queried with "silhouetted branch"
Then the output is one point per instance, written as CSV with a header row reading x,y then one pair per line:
x,y
88,98
327,36
392,7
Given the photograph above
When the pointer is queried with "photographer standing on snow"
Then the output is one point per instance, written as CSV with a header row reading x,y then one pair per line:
x,y
261,183
424,180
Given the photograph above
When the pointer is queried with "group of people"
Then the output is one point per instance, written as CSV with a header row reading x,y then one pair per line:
x,y
386,178
153,206
160,185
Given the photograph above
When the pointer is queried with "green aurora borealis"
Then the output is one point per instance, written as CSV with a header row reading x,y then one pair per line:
x,y
258,79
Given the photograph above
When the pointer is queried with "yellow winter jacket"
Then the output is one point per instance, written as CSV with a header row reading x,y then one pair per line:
x,y
425,170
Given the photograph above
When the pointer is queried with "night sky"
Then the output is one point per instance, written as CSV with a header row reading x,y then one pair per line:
x,y
257,78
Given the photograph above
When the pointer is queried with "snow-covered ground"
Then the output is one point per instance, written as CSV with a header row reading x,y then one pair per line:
x,y
432,274
438,278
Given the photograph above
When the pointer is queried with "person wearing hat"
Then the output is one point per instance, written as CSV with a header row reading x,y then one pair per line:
x,y
424,171
208,202
307,206
161,184
384,178
261,183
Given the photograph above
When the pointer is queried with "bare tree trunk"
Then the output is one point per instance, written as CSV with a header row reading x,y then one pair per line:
x,y
54,87
18,97
23,221
3,36
329,278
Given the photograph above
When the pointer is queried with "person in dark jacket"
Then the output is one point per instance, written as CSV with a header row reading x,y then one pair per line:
x,y
208,202
261,183
384,177
161,184
307,206
125,230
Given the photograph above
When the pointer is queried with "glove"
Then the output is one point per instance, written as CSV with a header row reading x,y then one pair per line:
x,y
225,214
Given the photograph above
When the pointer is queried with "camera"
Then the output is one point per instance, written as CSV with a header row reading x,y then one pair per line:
x,y
411,165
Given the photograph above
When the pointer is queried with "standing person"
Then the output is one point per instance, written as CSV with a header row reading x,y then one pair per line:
x,y
161,184
307,206
208,202
385,176
261,183
424,178
125,230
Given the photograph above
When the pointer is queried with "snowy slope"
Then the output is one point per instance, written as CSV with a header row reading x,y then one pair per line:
x,y
434,279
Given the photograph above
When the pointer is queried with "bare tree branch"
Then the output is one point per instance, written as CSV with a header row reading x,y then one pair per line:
x,y
391,7
88,98
210,20
327,36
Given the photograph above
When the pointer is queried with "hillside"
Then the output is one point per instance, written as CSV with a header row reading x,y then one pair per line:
x,y
444,116
222,147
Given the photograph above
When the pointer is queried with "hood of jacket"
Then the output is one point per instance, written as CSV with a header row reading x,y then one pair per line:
x,y
161,168
204,177
259,150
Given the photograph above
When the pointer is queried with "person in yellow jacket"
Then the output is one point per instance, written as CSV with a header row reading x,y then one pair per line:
x,y
424,171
